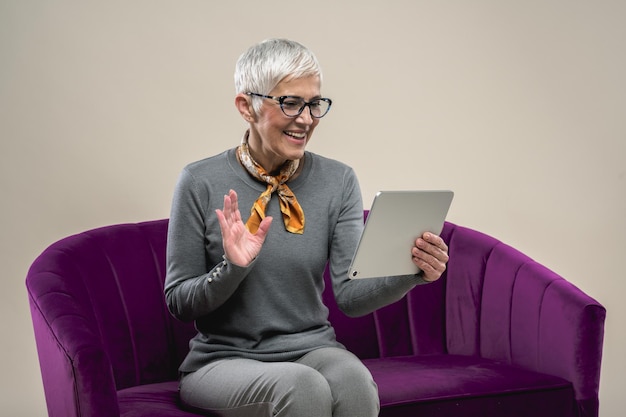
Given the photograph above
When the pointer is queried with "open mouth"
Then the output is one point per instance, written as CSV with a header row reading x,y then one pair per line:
x,y
299,135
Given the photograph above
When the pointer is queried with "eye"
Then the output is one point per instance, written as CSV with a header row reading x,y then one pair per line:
x,y
292,103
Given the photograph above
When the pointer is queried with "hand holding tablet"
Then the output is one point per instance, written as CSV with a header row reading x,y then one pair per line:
x,y
395,221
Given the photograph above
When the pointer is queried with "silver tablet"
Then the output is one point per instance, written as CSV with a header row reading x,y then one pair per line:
x,y
395,220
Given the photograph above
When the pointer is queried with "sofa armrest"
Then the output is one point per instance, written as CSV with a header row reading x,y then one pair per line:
x,y
502,305
569,333
70,352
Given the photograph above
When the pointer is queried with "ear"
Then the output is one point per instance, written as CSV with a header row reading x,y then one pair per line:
x,y
244,105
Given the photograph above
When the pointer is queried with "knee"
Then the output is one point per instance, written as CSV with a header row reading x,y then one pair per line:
x,y
355,391
358,389
311,382
350,374
307,393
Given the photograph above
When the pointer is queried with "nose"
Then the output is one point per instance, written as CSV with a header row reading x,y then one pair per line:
x,y
306,115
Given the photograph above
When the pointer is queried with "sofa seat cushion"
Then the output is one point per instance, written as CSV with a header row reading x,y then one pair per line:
x,y
466,386
426,385
151,400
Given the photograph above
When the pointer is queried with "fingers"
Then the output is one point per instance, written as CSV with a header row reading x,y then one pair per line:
x,y
240,246
221,219
435,241
230,202
229,214
231,208
433,245
430,254
234,202
229,218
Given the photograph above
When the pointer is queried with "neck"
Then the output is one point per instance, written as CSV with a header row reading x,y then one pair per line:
x,y
270,165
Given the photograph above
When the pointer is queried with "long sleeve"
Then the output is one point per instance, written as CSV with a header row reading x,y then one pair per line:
x,y
196,284
357,297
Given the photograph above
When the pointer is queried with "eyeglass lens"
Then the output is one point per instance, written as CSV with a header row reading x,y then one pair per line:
x,y
293,106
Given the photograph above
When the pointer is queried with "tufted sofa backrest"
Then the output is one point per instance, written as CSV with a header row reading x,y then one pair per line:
x,y
104,288
108,292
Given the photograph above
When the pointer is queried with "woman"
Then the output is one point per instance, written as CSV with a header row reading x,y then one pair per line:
x,y
254,286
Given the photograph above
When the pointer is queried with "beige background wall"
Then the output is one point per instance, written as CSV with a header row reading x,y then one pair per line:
x,y
517,106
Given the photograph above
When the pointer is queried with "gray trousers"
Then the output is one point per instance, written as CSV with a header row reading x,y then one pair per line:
x,y
327,382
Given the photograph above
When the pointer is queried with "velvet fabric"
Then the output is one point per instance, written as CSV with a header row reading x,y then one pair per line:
x,y
497,335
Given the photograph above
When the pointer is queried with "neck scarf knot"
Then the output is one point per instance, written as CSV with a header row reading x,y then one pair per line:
x,y
293,216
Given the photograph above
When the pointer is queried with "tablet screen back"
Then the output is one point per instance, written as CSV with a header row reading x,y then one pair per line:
x,y
395,220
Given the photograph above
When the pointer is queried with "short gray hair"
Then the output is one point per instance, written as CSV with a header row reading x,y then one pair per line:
x,y
267,63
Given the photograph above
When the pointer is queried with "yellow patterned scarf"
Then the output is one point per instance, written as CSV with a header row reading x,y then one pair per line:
x,y
293,216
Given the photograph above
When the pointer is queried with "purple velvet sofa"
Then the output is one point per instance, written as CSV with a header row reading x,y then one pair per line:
x,y
497,335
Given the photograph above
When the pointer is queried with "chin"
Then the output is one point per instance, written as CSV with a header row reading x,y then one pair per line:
x,y
297,154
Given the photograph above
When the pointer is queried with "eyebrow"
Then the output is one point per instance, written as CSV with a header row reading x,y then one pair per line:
x,y
317,97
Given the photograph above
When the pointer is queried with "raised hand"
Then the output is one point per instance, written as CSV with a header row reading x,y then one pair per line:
x,y
240,246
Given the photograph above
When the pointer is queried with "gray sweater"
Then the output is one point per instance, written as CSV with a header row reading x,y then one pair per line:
x,y
271,310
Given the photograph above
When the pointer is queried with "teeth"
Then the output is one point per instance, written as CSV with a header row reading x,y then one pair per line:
x,y
296,135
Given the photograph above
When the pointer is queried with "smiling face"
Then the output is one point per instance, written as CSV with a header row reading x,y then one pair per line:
x,y
274,137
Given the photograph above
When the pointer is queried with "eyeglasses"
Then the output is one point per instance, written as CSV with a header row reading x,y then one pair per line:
x,y
293,106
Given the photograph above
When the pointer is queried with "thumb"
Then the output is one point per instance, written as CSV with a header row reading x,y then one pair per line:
x,y
264,227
